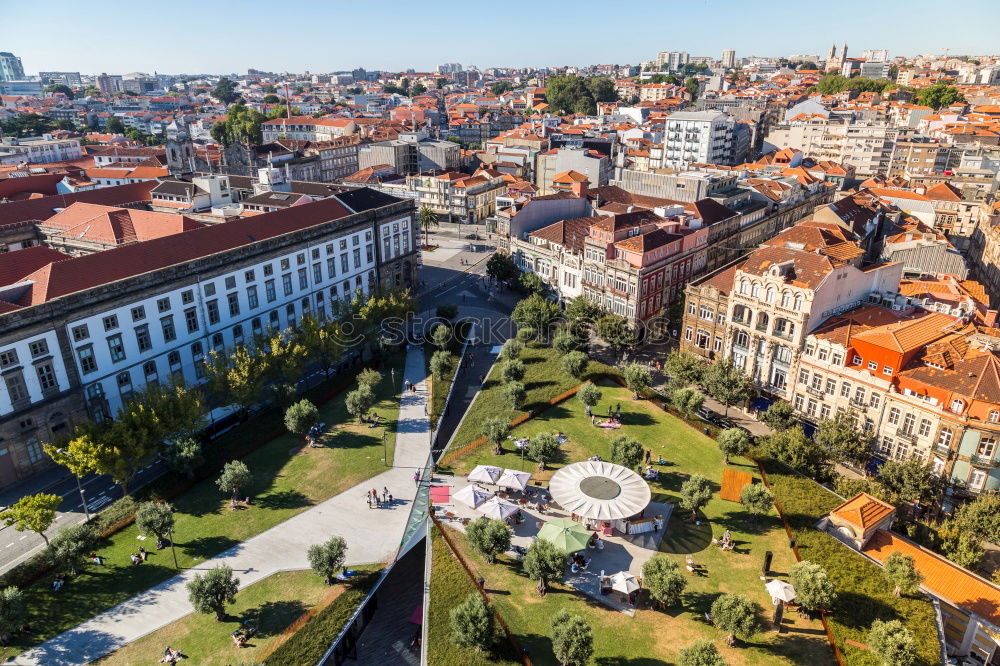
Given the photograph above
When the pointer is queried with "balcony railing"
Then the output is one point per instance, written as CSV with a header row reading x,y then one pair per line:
x,y
815,391
985,461
906,434
943,450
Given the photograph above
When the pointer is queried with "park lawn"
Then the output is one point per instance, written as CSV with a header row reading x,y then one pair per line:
x,y
864,595
450,586
544,379
619,638
287,479
272,605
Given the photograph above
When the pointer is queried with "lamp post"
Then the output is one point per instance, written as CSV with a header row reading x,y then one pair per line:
x,y
170,535
79,486
385,450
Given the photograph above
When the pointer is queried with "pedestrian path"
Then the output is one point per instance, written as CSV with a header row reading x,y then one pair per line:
x,y
372,535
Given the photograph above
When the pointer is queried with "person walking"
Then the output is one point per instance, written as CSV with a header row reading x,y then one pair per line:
x,y
416,477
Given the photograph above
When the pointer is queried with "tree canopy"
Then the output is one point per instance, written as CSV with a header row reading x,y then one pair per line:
x,y
225,91
939,96
572,639
209,593
327,558
736,615
489,537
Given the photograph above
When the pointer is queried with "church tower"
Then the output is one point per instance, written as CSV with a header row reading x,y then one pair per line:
x,y
180,155
831,57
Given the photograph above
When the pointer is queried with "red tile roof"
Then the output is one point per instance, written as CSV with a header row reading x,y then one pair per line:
x,y
73,275
46,207
17,264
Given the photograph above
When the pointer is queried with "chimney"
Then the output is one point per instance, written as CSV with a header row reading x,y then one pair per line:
x,y
580,188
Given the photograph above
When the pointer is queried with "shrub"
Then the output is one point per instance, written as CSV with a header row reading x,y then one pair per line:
x,y
687,401
701,653
441,365
638,378
489,537
892,643
514,394
511,349
902,574
301,416
472,623
512,371
495,430
664,580
813,588
526,333
575,364
572,639
756,499
447,311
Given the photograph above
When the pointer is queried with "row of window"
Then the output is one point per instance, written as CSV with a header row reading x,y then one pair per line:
x,y
828,385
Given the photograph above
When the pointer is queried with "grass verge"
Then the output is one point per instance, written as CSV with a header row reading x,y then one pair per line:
x,y
287,479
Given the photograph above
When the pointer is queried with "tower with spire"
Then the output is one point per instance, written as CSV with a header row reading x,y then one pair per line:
x,y
831,57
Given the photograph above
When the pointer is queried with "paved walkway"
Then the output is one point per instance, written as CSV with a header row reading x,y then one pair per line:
x,y
372,536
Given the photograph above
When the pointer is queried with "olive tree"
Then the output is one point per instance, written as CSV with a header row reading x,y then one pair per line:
x,y
514,394
545,563
733,442
72,544
326,558
542,448
589,394
813,588
626,451
664,580
511,349
495,430
701,653
574,364
235,476
902,574
572,639
736,615
209,593
489,537
156,519
301,417
695,493
687,401
892,643
757,499
638,378
473,624
512,371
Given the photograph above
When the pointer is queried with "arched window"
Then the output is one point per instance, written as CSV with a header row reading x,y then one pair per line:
x,y
786,299
957,406
742,339
798,302
755,292
994,416
762,321
770,294
745,286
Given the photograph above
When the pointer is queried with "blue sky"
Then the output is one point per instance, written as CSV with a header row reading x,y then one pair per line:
x,y
223,36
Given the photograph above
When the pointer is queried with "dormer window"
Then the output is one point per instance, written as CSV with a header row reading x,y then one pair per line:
x,y
957,406
994,416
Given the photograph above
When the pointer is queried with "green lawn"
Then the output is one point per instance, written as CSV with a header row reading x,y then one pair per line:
x,y
440,388
654,637
272,605
544,379
287,479
864,595
450,585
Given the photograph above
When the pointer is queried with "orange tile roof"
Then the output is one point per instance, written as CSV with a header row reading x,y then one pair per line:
x,y
942,578
908,334
863,510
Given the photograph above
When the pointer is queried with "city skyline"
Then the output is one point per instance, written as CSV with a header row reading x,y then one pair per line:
x,y
428,41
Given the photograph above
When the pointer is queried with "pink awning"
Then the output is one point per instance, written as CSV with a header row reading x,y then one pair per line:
x,y
440,494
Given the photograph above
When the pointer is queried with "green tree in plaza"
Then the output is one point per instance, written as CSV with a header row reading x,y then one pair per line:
x,y
701,653
489,537
813,588
501,267
542,448
565,341
237,376
589,394
495,430
209,593
72,544
34,513
323,341
733,442
428,218
892,643
235,476
183,456
529,283
440,365
981,516
736,615
526,334
156,519
626,451
615,331
840,436
683,369
225,91
902,574
637,377
695,493
663,578
574,364
536,312
779,415
285,362
959,545
301,417
359,401
793,448
545,563
514,394
687,401
757,500
727,383
582,310
512,371
13,611
473,624
572,639
328,557
369,377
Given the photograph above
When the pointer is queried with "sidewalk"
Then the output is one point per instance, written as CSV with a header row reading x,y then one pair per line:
x,y
371,535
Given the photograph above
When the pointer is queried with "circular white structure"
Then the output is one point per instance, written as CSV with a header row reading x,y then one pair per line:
x,y
599,490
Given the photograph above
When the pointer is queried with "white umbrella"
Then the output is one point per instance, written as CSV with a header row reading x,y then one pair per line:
x,y
625,582
472,495
497,508
514,479
779,589
599,490
485,474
